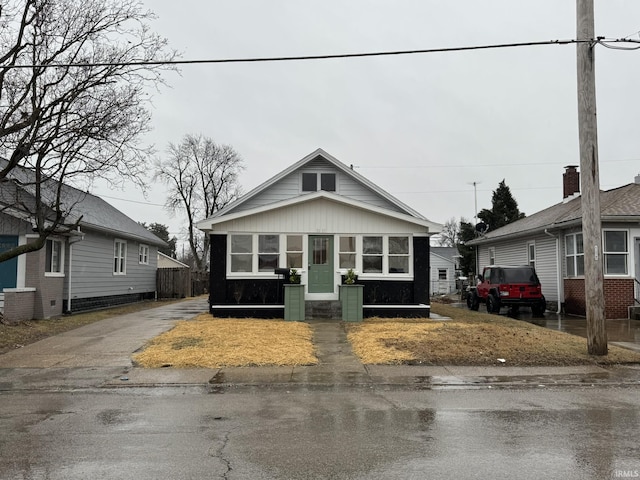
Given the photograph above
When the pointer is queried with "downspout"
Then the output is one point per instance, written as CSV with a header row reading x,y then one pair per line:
x,y
79,236
560,285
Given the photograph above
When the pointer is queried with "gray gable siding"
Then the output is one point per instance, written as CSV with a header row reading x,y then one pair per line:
x,y
92,268
516,253
291,186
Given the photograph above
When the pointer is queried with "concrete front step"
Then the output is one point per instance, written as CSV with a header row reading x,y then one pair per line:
x,y
322,309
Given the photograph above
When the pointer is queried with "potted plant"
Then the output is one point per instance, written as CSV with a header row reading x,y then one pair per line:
x,y
294,276
351,296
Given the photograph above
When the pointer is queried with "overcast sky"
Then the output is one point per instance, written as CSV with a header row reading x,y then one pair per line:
x,y
423,127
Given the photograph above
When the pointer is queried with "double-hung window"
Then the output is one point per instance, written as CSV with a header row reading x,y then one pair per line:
x,y
531,254
616,252
268,252
372,254
120,257
347,252
241,253
143,254
398,254
574,254
294,251
53,256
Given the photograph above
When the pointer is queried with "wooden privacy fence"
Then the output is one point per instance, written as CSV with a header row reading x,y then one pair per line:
x,y
173,282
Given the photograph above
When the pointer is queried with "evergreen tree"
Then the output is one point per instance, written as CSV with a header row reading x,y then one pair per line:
x,y
466,233
504,208
162,232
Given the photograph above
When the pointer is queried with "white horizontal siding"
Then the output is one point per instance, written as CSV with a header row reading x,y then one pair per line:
x,y
92,269
516,253
437,285
319,216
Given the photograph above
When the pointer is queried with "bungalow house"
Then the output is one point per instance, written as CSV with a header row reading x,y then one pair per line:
x,y
320,217
109,259
551,240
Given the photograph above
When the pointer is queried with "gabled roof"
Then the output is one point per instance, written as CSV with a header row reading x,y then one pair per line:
x,y
309,197
620,204
94,212
300,164
446,253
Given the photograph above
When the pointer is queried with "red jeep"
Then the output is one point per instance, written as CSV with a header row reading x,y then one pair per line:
x,y
507,286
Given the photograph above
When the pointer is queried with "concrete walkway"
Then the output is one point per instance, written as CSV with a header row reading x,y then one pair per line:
x,y
99,356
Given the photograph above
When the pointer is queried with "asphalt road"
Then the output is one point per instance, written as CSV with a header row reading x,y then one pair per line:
x,y
321,432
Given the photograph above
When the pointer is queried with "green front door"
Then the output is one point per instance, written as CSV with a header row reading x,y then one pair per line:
x,y
9,268
320,264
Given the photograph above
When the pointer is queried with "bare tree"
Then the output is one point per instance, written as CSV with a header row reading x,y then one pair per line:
x,y
202,177
73,96
449,236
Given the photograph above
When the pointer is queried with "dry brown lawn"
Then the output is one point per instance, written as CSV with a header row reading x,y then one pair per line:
x,y
208,342
472,338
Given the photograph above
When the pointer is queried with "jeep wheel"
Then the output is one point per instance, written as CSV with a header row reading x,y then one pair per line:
x,y
539,309
493,304
472,301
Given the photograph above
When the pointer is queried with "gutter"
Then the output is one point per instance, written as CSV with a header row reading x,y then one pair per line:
x,y
76,237
560,284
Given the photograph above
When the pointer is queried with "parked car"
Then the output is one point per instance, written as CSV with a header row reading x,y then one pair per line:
x,y
508,286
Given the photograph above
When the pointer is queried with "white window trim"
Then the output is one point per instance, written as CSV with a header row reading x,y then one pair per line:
x,y
255,274
143,251
124,271
318,175
573,256
531,261
61,273
605,253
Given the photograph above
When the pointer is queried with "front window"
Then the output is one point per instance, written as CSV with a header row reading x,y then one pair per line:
x,y
143,254
268,252
615,252
347,254
294,251
574,254
53,256
241,253
398,254
372,254
120,257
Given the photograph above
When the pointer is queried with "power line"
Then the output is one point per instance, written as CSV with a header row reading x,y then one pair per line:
x,y
308,57
377,167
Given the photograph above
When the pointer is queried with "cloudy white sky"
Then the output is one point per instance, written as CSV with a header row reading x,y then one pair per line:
x,y
424,127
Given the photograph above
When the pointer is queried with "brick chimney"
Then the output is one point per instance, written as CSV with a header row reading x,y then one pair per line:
x,y
570,181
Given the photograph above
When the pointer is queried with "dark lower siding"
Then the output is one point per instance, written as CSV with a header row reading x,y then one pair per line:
x,y
264,298
97,303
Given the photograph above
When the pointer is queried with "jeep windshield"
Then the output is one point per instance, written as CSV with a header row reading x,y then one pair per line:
x,y
518,275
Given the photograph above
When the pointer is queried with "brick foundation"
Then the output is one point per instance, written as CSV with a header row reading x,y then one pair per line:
x,y
618,296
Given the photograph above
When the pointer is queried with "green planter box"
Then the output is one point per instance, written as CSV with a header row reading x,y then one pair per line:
x,y
294,302
351,302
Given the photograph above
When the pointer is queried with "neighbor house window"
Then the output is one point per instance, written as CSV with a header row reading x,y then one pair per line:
x,y
574,254
119,257
398,254
53,256
294,251
492,256
241,253
531,254
442,274
347,253
268,252
372,254
615,252
143,254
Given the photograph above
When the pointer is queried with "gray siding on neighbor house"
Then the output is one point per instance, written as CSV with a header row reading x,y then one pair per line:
x,y
291,186
13,226
92,268
516,253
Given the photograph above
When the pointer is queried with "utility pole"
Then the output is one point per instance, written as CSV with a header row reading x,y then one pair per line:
x,y
590,180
